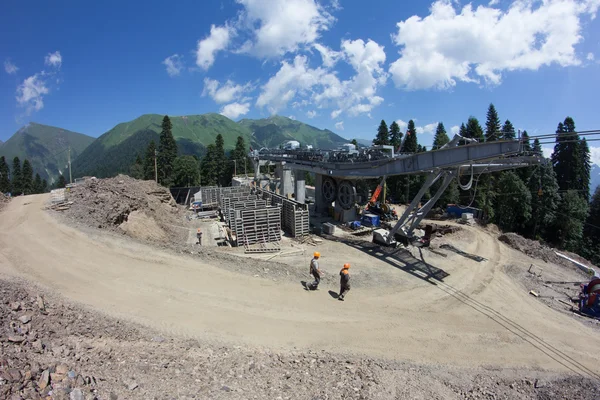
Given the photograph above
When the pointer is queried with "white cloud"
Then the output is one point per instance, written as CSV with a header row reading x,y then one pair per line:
x,y
455,129
493,2
482,43
10,68
402,125
281,26
292,117
30,93
218,40
355,96
53,59
595,155
234,110
225,93
548,151
174,64
429,128
339,126
590,57
311,114
329,56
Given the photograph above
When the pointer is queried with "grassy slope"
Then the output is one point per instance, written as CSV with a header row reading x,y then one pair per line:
x,y
44,146
273,131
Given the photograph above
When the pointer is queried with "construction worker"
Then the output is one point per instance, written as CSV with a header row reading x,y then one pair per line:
x,y
344,281
315,271
199,236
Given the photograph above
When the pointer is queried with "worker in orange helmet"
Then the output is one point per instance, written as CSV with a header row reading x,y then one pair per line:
x,y
315,271
344,281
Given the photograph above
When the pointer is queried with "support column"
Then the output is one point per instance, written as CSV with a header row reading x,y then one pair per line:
x,y
286,186
320,204
300,186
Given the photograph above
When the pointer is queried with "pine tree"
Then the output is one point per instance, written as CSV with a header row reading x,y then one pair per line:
x,y
474,130
186,171
410,144
149,161
395,136
568,160
492,125
27,177
585,169
62,183
513,208
568,227
17,180
221,161
463,130
591,230
545,200
508,130
440,138
526,143
4,176
44,186
208,167
167,152
137,169
240,155
537,147
37,184
355,143
383,135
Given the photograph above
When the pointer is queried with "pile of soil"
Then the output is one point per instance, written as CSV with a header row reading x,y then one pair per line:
x,y
141,209
535,249
51,349
3,200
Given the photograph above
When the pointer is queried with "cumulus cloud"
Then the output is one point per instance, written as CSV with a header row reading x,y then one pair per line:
x,y
455,129
311,114
30,93
234,110
174,64
429,128
402,124
281,26
548,151
10,68
329,56
226,92
590,57
595,155
53,59
355,96
339,126
479,44
217,40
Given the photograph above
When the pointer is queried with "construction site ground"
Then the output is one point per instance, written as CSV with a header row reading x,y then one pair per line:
x,y
415,324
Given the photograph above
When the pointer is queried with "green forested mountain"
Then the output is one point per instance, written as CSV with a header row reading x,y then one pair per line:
x,y
45,147
116,150
273,131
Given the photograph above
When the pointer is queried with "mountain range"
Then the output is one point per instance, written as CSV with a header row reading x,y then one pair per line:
x,y
115,151
46,147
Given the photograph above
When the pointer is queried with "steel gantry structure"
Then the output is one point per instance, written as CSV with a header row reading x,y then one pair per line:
x,y
336,173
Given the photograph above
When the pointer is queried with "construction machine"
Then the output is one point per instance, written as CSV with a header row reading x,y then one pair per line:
x,y
385,212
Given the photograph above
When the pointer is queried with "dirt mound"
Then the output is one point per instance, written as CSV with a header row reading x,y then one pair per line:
x,y
535,249
141,209
3,200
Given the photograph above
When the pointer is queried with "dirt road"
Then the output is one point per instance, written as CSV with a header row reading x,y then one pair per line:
x,y
478,316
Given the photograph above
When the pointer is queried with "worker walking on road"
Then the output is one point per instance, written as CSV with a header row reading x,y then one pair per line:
x,y
315,271
344,281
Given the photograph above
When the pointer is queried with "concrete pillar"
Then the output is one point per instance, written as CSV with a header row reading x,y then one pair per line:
x,y
287,185
300,187
320,204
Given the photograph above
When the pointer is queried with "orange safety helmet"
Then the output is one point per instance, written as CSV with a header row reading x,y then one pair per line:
x,y
317,254
346,266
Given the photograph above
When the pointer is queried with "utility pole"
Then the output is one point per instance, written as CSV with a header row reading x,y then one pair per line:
x,y
155,167
69,158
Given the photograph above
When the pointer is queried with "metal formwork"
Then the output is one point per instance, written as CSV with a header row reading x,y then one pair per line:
x,y
258,226
294,215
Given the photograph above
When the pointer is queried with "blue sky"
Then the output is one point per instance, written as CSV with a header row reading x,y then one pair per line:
x,y
342,65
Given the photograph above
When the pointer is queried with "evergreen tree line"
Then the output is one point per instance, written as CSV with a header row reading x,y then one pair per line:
x,y
548,202
19,179
173,170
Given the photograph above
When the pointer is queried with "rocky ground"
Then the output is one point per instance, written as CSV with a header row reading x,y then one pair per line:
x,y
3,200
55,350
